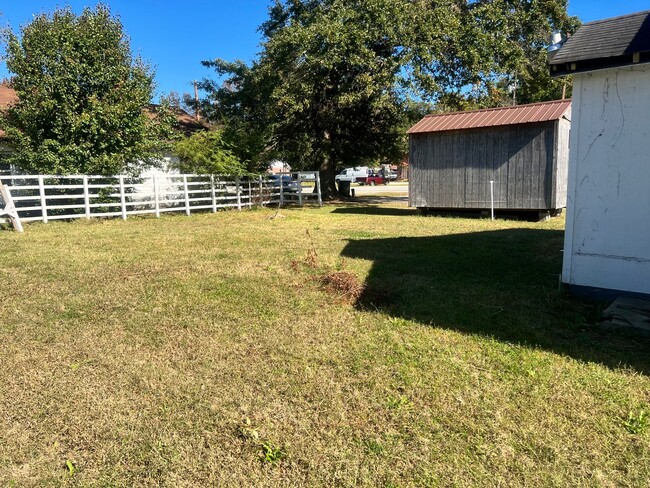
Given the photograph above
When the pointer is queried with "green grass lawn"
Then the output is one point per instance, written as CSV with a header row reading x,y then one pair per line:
x,y
205,351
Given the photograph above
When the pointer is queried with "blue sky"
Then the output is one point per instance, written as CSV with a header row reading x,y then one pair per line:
x,y
176,35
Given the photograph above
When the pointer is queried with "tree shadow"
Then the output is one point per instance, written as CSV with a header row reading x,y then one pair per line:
x,y
501,284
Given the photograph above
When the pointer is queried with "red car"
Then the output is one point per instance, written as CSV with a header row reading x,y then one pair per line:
x,y
375,178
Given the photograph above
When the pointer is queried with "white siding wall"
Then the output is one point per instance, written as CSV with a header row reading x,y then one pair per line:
x,y
607,243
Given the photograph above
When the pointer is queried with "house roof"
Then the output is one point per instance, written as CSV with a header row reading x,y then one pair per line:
x,y
186,123
7,96
491,117
606,43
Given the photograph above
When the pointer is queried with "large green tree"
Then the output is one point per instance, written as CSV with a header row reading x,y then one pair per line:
x,y
82,97
206,153
337,81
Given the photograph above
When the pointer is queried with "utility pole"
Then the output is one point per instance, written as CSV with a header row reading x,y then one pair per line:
x,y
196,101
512,89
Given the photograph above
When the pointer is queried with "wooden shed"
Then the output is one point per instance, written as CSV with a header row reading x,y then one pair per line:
x,y
607,238
523,149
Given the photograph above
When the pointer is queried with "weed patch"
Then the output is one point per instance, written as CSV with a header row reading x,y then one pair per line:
x,y
271,453
637,423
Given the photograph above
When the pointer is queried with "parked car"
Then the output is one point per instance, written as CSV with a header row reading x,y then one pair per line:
x,y
373,178
288,184
307,176
351,174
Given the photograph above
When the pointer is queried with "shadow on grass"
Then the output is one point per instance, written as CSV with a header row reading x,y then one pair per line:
x,y
502,284
375,210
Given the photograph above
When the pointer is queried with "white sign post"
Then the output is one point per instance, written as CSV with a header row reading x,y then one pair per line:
x,y
492,198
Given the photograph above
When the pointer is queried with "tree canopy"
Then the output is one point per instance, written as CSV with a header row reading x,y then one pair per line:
x,y
206,153
338,81
82,97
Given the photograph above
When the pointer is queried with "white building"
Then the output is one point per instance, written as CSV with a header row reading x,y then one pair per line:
x,y
277,166
607,240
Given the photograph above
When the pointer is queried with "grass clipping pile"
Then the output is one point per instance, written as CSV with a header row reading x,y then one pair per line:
x,y
344,285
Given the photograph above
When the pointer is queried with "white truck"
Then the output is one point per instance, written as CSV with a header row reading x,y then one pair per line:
x,y
351,174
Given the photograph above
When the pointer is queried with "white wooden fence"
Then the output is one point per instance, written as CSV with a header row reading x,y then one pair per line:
x,y
44,198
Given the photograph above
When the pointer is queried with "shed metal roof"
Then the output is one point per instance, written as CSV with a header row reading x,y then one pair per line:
x,y
491,117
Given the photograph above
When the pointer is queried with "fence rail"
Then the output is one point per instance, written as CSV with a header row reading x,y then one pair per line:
x,y
44,197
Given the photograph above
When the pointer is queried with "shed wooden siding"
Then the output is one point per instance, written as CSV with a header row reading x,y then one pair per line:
x,y
453,169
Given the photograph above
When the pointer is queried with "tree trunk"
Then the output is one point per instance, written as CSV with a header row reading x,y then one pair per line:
x,y
327,172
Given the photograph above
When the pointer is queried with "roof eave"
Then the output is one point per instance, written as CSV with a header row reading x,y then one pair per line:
x,y
569,67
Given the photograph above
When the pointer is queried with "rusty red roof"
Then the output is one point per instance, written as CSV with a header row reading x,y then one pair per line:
x,y
7,96
490,117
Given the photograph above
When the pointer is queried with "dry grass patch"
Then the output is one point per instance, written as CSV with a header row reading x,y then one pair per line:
x,y
194,352
344,285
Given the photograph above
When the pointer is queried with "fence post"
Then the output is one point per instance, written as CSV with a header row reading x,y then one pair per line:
x,y
249,204
300,189
156,202
41,191
213,194
122,197
238,193
187,196
320,195
86,196
261,192
281,190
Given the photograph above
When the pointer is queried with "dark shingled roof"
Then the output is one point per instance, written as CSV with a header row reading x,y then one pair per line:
x,y
605,44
